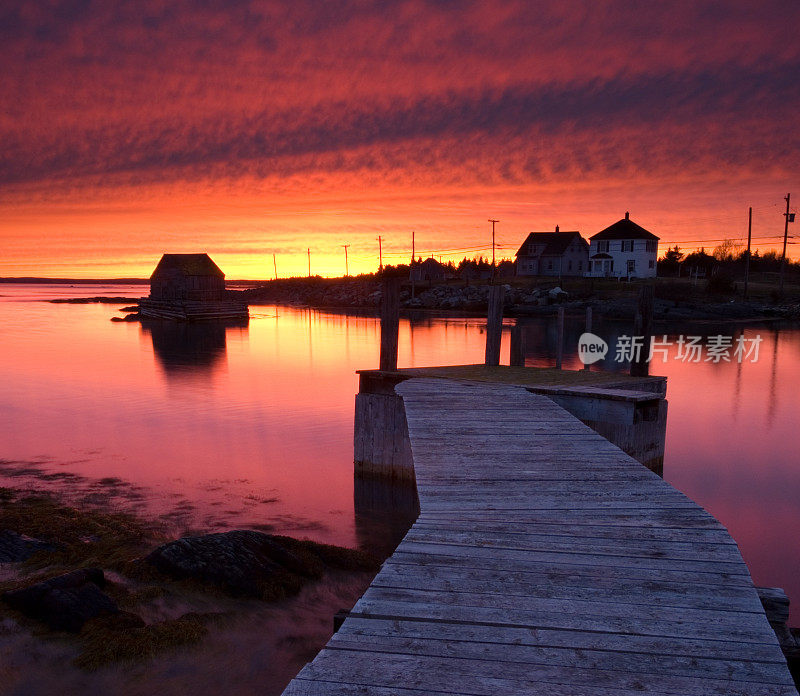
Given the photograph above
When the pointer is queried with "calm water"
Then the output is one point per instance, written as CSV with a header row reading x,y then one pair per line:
x,y
222,427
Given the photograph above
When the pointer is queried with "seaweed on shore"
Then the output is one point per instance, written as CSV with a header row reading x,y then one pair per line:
x,y
96,539
80,538
111,639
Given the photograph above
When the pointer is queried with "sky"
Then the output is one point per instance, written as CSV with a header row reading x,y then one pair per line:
x,y
247,129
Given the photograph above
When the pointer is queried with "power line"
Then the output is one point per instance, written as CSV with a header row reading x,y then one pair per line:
x,y
433,252
719,239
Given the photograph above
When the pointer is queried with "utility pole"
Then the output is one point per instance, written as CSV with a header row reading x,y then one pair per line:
x,y
309,261
747,259
275,266
346,267
380,254
493,224
785,236
413,259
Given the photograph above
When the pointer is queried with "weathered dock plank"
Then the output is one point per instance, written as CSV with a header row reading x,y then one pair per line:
x,y
546,561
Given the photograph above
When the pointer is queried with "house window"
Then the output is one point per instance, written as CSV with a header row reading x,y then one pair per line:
x,y
580,265
549,265
569,265
627,245
631,266
652,263
602,247
652,246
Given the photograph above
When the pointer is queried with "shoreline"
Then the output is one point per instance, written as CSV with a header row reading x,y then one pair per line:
x,y
676,300
133,616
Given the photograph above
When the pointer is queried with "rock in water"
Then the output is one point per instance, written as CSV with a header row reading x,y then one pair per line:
x,y
65,602
251,564
128,317
16,547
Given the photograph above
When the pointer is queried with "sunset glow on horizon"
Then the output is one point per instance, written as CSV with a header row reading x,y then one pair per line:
x,y
249,129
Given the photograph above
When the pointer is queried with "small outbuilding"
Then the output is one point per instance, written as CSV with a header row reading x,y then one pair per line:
x,y
191,287
427,271
187,277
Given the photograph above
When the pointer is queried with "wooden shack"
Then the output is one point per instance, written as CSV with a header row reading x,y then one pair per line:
x,y
191,287
429,270
187,277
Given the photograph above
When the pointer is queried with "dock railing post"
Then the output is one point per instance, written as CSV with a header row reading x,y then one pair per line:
x,y
560,338
390,323
588,329
494,324
517,346
643,327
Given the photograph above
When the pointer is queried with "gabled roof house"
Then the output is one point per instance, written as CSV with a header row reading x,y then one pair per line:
x,y
623,250
553,254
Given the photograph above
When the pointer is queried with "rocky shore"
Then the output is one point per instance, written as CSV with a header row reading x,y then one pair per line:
x,y
671,304
102,577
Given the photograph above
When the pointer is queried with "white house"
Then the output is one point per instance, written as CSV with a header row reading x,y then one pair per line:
x,y
553,254
624,250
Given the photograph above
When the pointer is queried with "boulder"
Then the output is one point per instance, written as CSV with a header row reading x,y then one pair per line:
x,y
65,602
16,547
251,564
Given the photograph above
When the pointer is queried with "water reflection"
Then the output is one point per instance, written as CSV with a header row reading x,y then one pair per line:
x,y
182,347
384,512
261,432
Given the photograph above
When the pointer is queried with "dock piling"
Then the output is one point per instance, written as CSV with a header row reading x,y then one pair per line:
x,y
643,327
390,323
494,324
588,329
517,358
560,338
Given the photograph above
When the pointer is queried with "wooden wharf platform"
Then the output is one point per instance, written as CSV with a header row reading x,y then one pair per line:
x,y
546,561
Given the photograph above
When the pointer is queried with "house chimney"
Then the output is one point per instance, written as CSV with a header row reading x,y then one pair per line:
x,y
556,228
627,215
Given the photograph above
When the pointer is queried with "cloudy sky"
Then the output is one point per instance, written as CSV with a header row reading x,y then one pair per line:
x,y
247,128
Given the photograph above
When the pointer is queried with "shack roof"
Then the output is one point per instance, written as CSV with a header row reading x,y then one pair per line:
x,y
188,265
555,243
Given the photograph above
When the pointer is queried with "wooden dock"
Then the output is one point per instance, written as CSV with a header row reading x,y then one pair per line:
x,y
546,561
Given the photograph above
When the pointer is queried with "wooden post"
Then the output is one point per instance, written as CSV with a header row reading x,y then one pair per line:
x,y
747,258
643,326
560,338
517,346
588,330
390,323
785,237
494,324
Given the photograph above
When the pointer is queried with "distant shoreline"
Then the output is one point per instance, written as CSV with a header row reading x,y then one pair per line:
x,y
677,301
34,280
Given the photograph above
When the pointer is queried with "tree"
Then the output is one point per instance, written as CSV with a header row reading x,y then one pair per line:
x,y
699,261
673,255
670,263
727,251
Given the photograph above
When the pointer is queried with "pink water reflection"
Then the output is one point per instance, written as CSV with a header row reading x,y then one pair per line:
x,y
253,425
